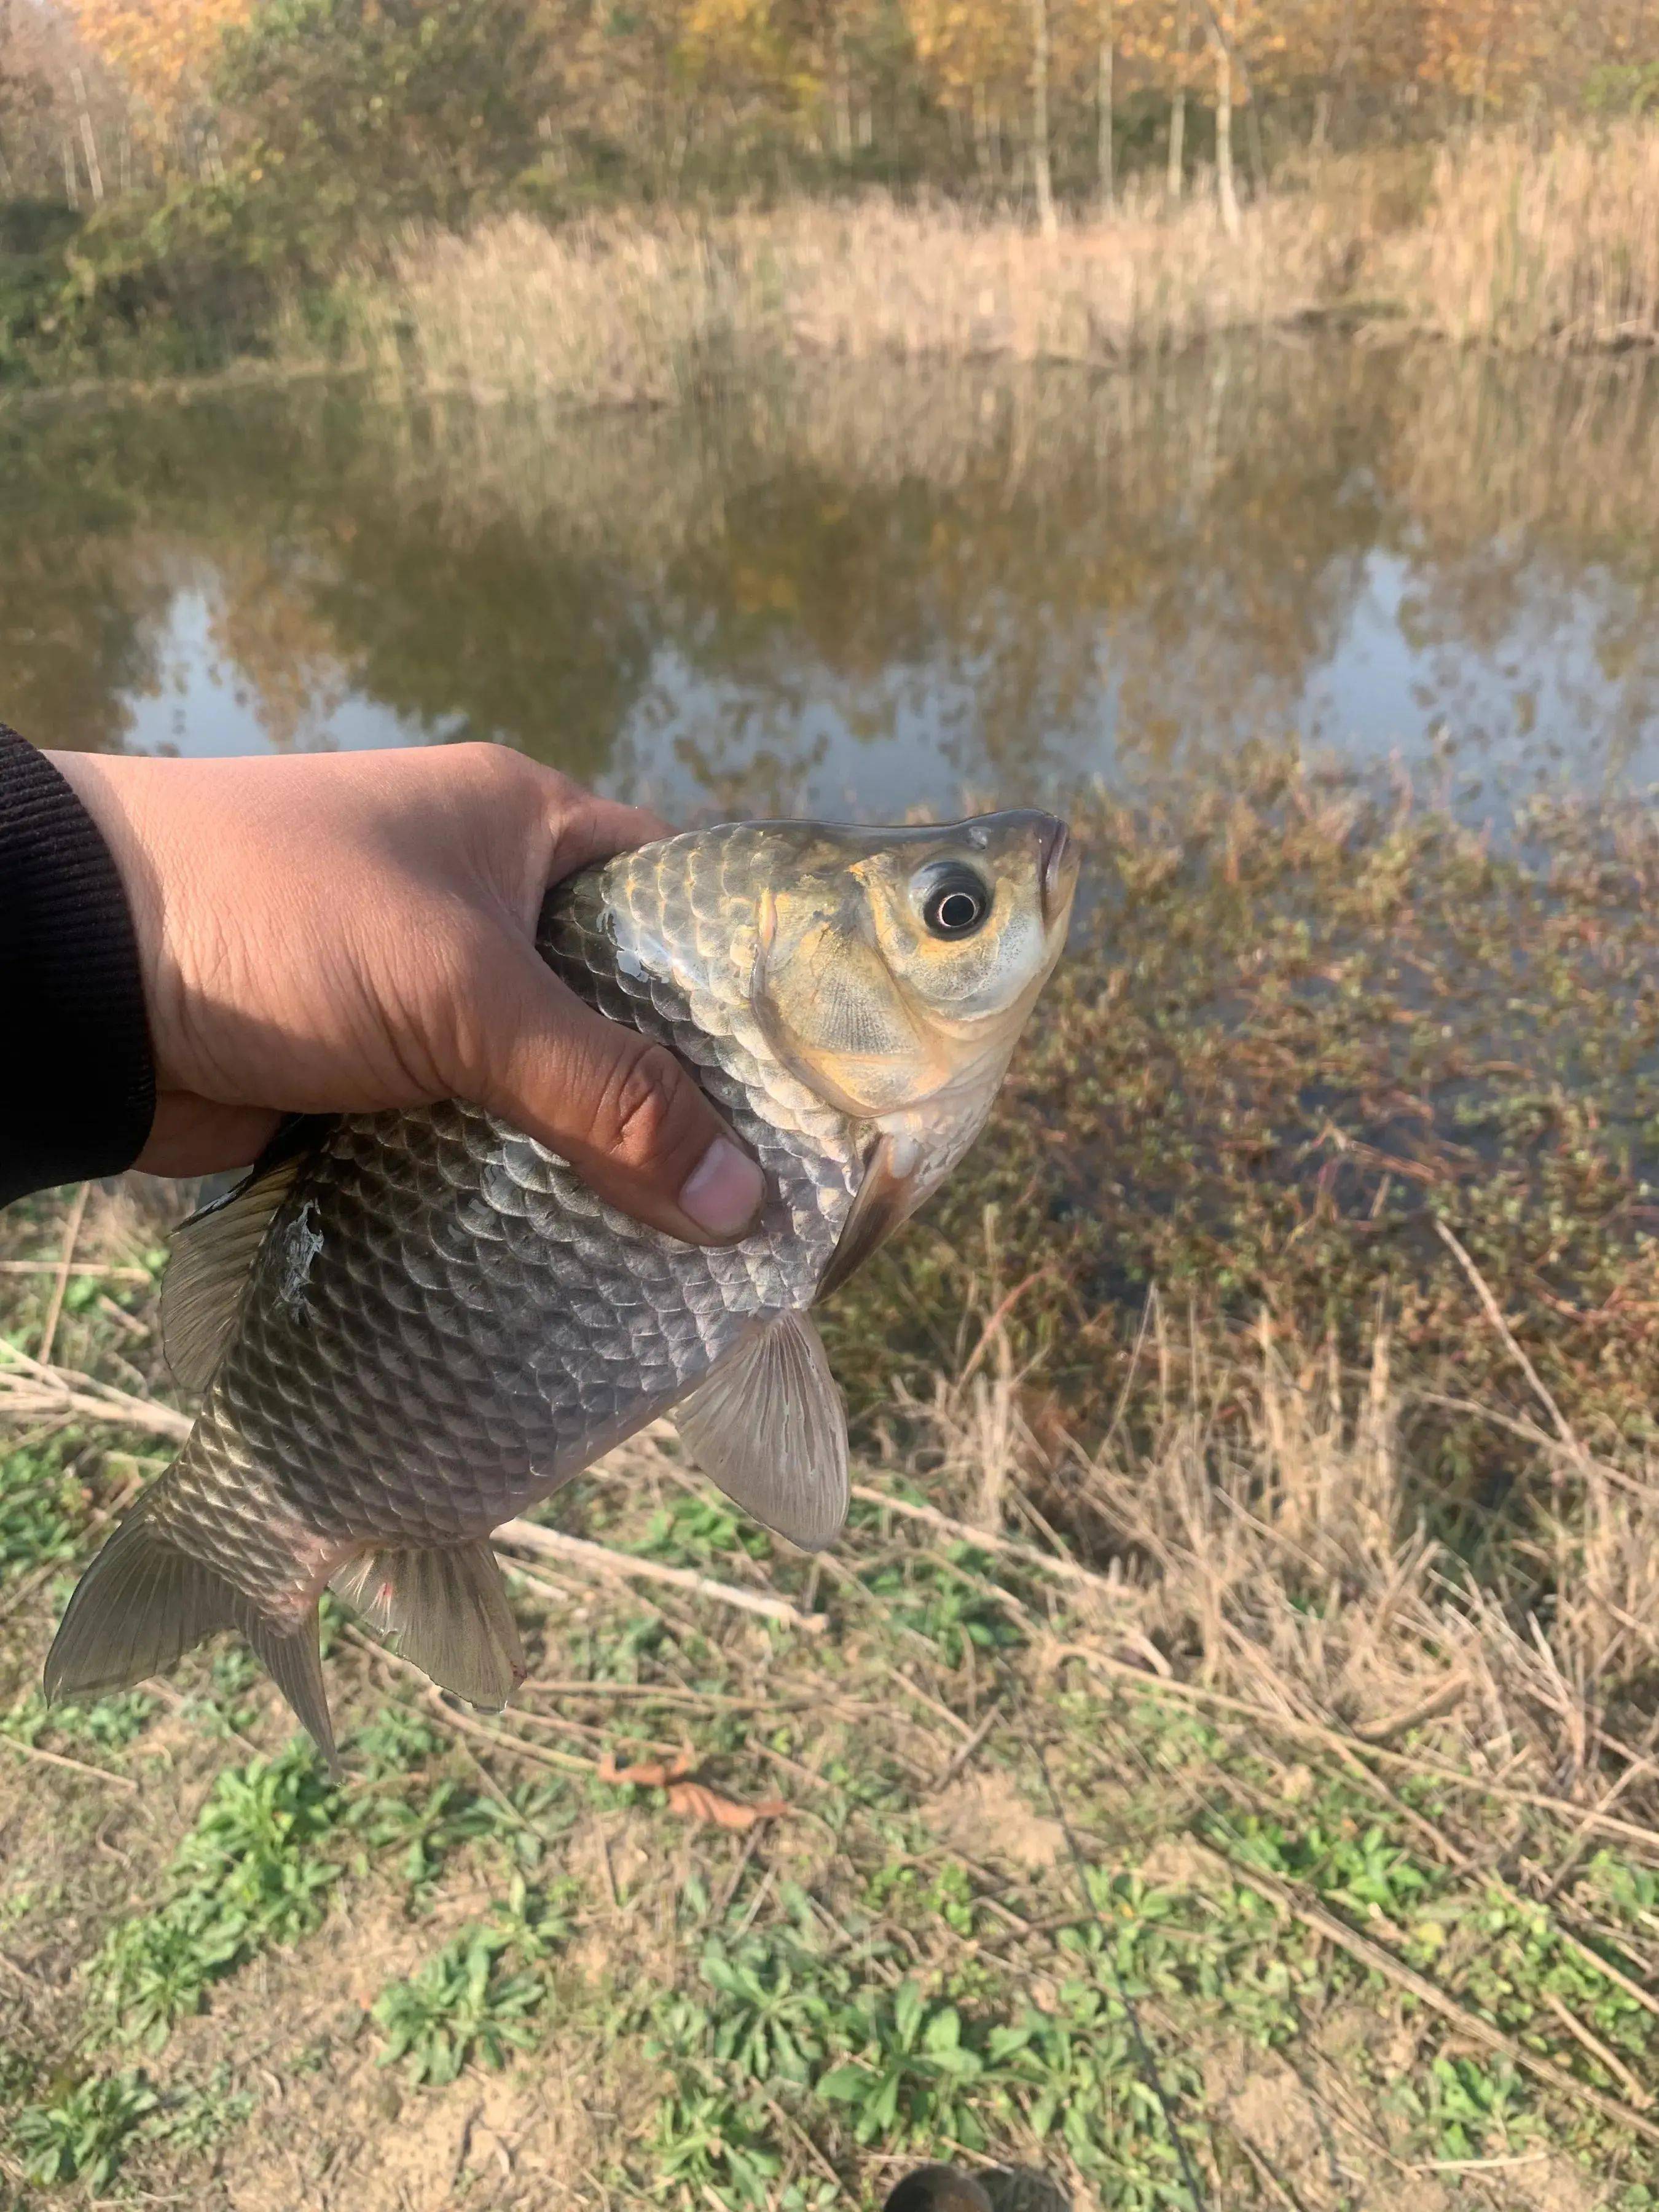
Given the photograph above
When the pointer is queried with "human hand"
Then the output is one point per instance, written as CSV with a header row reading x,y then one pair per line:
x,y
344,932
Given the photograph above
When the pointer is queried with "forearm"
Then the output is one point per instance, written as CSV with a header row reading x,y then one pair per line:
x,y
80,1096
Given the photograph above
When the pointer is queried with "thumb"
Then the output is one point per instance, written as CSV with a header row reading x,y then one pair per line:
x,y
623,1111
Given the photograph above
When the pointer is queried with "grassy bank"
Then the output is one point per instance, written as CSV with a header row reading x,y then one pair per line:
x,y
1494,242
1280,1673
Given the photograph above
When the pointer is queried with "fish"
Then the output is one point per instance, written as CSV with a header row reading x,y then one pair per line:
x,y
407,1328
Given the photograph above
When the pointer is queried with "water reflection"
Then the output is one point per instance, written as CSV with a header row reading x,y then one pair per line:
x,y
846,592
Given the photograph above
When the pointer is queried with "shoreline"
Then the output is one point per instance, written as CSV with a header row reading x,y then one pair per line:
x,y
1507,247
1385,327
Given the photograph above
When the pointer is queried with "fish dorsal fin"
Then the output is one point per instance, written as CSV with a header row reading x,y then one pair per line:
x,y
769,1428
449,1613
213,1255
886,1199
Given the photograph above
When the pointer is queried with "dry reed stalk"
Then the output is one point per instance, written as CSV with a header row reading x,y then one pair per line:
x,y
29,1390
1267,1558
1522,247
1469,2023
600,1560
618,315
1515,246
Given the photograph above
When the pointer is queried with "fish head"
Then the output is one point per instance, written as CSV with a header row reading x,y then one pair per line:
x,y
896,967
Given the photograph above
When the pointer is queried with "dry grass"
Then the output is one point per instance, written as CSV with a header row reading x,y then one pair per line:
x,y
1511,245
1259,1551
621,315
1524,247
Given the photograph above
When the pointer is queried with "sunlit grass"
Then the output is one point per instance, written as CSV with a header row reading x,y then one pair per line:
x,y
1506,242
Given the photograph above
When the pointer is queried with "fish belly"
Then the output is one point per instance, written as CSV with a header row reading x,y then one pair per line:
x,y
445,1324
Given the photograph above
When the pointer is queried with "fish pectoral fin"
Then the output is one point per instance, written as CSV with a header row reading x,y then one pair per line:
x,y
769,1428
214,1252
448,1610
886,1198
142,1603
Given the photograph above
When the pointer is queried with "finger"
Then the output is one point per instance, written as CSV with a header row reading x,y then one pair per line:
x,y
593,828
192,1136
623,1111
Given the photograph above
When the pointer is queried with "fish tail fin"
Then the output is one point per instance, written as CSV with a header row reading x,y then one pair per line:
x,y
449,1613
143,1603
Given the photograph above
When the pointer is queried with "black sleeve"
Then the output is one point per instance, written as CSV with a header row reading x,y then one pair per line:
x,y
79,1094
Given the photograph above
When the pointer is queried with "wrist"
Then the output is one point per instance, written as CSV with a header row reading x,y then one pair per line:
x,y
120,797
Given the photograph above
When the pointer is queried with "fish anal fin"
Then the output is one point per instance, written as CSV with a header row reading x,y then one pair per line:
x,y
447,1607
213,1255
142,1603
769,1426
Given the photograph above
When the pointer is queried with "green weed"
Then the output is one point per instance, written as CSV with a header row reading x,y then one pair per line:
x,y
472,2003
248,1874
43,1508
83,2136
198,2119
916,2076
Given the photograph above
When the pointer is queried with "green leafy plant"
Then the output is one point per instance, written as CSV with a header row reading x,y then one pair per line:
x,y
916,2076
462,2006
247,1875
84,2134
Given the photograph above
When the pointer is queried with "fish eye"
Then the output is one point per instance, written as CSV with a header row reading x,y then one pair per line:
x,y
956,903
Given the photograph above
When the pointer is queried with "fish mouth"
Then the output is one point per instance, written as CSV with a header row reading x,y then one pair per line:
x,y
1058,871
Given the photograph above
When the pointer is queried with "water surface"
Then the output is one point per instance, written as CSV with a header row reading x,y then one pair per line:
x,y
862,594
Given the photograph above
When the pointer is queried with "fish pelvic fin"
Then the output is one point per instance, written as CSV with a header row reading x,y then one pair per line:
x,y
448,1610
142,1603
769,1426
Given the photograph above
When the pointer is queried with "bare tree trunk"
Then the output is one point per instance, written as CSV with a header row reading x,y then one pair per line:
x,y
843,97
72,182
1225,184
1253,142
1042,176
1175,176
982,160
1105,149
88,138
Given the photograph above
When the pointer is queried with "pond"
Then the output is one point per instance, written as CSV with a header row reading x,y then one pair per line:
x,y
847,595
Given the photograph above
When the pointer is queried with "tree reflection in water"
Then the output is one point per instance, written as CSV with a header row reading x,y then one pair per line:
x,y
868,591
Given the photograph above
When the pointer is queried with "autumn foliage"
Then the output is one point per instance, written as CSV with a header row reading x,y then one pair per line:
x,y
162,51
671,96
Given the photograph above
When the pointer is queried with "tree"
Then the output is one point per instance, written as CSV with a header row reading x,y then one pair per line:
x,y
163,50
1042,168
354,115
1176,170
1105,85
975,57
1221,46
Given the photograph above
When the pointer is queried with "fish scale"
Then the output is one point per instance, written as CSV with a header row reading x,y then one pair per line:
x,y
410,1327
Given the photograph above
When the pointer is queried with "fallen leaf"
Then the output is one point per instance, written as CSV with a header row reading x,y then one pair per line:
x,y
692,1800
695,1801
650,1773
